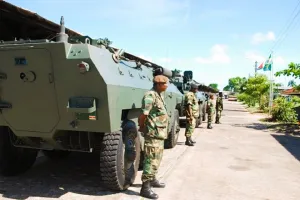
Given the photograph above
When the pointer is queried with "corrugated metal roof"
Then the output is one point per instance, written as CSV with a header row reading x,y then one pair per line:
x,y
10,8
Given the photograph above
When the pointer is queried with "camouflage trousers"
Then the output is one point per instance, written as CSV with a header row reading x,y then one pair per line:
x,y
209,118
190,127
218,115
153,152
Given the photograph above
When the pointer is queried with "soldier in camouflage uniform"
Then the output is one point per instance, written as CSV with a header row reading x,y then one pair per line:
x,y
153,123
210,110
191,107
219,107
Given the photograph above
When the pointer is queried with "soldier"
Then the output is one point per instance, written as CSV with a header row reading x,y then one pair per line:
x,y
153,123
210,110
191,107
219,107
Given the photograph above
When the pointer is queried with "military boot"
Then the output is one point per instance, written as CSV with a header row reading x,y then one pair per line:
x,y
193,141
156,184
209,126
147,192
217,122
188,141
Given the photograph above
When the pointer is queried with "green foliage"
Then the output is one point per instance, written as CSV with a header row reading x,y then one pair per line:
x,y
283,110
292,83
214,85
235,83
292,70
255,88
226,88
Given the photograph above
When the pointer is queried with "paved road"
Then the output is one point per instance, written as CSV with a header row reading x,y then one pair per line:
x,y
237,159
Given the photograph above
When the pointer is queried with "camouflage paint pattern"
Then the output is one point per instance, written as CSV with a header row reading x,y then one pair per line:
x,y
210,111
190,126
153,153
155,133
219,108
156,123
190,99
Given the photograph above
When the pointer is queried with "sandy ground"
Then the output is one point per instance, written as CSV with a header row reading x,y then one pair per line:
x,y
238,159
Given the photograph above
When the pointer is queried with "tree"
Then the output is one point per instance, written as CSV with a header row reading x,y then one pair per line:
x,y
292,83
226,88
214,85
235,83
292,70
256,90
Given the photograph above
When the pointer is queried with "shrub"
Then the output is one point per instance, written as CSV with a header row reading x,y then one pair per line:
x,y
283,110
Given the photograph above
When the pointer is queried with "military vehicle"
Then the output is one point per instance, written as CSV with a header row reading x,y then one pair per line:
x,y
76,94
183,83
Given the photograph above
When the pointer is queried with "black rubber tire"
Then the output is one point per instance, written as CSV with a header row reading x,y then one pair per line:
x,y
173,135
114,176
14,160
56,154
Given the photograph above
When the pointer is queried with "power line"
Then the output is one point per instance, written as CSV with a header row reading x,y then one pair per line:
x,y
284,30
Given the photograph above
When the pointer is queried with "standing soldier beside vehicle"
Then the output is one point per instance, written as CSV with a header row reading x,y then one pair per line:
x,y
191,107
210,110
219,107
153,122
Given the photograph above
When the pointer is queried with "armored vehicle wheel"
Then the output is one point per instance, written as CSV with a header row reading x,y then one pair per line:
x,y
119,157
56,154
172,139
14,160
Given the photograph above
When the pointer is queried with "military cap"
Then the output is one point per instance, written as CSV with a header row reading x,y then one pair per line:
x,y
194,86
160,79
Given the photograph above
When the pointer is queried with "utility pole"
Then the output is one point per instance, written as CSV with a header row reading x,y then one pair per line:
x,y
255,66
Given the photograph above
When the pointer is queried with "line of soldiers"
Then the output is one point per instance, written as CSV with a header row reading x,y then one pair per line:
x,y
192,112
153,122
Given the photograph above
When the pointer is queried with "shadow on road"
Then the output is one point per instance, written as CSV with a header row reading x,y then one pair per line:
x,y
291,144
286,135
52,179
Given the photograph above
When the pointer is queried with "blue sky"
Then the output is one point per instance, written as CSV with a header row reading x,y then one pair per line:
x,y
217,39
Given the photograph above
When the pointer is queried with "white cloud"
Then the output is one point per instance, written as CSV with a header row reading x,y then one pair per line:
x,y
218,56
259,58
258,38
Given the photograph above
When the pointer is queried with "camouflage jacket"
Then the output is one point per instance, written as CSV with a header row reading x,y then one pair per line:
x,y
190,99
156,124
210,107
219,103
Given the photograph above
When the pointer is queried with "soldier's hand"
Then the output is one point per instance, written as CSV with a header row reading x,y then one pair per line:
x,y
141,128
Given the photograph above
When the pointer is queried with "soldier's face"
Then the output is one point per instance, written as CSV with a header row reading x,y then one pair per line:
x,y
162,86
194,90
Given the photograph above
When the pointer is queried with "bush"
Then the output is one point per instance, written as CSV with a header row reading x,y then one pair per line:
x,y
263,102
283,110
247,99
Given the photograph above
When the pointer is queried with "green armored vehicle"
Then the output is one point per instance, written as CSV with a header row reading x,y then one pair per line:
x,y
76,94
183,83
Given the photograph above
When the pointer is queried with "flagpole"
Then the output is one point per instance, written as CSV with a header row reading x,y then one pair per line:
x,y
271,85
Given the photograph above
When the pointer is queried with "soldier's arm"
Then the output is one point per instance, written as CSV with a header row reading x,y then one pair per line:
x,y
189,103
147,104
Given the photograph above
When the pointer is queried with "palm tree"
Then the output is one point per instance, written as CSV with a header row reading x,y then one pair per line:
x,y
292,83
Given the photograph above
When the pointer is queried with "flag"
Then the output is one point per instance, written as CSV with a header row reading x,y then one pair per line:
x,y
260,66
268,64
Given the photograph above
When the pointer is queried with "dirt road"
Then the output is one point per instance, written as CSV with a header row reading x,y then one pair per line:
x,y
237,159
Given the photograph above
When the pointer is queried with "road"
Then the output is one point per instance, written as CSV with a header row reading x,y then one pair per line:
x,y
238,159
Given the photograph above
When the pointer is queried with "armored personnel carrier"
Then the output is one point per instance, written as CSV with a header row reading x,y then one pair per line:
x,y
183,83
76,94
